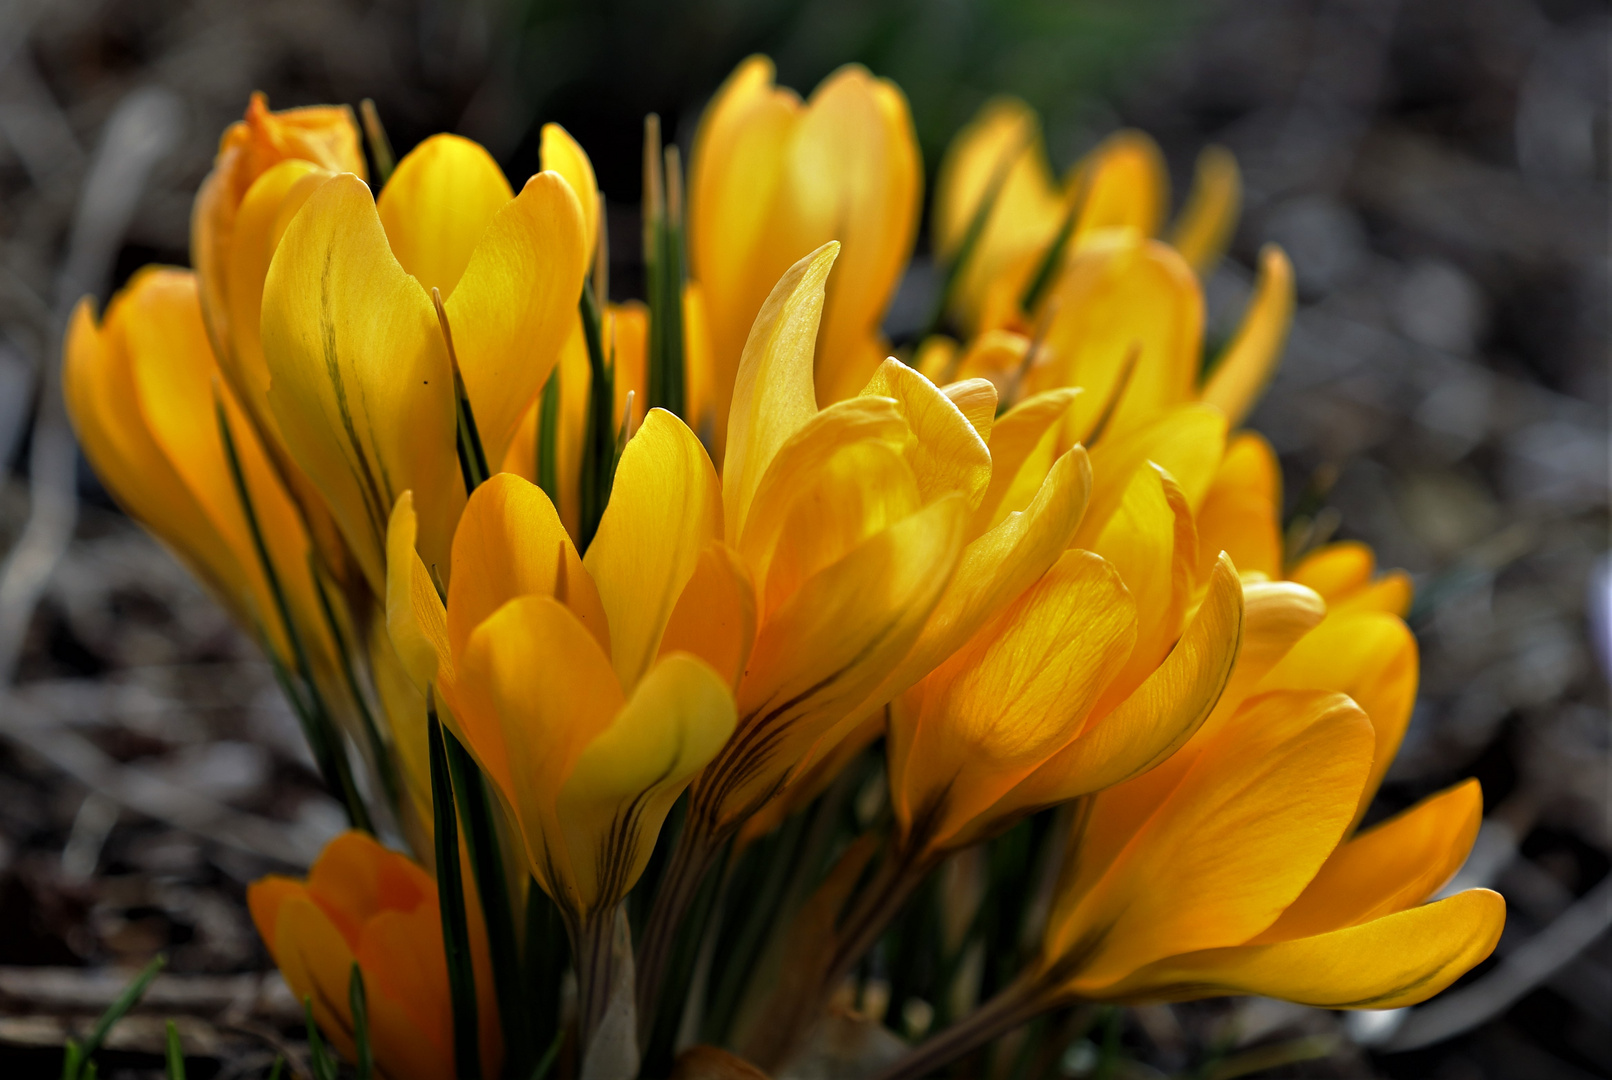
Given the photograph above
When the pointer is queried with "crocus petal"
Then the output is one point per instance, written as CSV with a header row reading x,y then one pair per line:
x,y
415,618
715,618
1151,724
773,394
1253,354
1206,223
510,543
1127,185
976,399
1240,514
361,385
316,963
1010,698
1391,593
1216,860
514,302
818,657
1388,963
438,202
1022,451
1276,615
1370,656
1188,443
665,507
406,992
1336,570
537,675
613,803
946,452
1387,868
1150,541
562,154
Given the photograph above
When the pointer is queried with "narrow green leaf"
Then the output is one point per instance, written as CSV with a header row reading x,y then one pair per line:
x,y
91,1071
664,271
358,1004
118,1009
72,1060
176,1054
323,1065
548,439
548,954
472,455
599,440
487,863
546,1063
971,238
324,737
279,1066
1046,271
451,899
380,147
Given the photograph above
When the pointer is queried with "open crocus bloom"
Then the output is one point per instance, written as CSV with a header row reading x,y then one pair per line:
x,y
366,906
588,690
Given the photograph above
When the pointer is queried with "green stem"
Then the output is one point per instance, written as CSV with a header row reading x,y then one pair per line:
x,y
599,439
451,899
548,439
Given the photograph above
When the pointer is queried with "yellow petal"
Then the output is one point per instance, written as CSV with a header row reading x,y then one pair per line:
x,y
514,302
1151,542
945,451
1119,299
715,618
1391,593
510,543
562,154
361,385
1389,867
737,164
1012,697
1370,656
665,507
818,657
1276,615
1387,963
773,394
1151,724
1128,185
976,400
998,566
1255,351
1023,448
1218,858
613,803
1336,570
1241,513
806,462
1209,219
699,368
1187,443
535,675
438,202
415,618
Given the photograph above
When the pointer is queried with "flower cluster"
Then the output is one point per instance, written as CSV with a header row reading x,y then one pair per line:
x,y
687,643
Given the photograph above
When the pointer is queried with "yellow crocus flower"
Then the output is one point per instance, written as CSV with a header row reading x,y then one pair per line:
x,y
362,377
362,904
770,180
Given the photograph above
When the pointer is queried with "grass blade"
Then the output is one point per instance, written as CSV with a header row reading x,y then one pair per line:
x,y
358,1003
599,441
319,1059
451,898
175,1055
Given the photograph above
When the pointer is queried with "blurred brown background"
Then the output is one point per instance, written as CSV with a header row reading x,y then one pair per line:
x,y
1438,170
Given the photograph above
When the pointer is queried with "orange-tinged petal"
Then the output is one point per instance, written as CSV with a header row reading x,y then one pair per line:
x,y
510,543
355,879
715,618
514,301
1127,185
1372,657
1209,219
1150,541
438,202
945,451
700,391
1388,963
1255,351
407,997
361,384
820,655
264,898
562,154
773,394
1156,720
1391,593
534,673
615,799
665,508
1231,845
1387,868
1241,513
1009,699
1276,615
1023,448
1336,570
316,962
